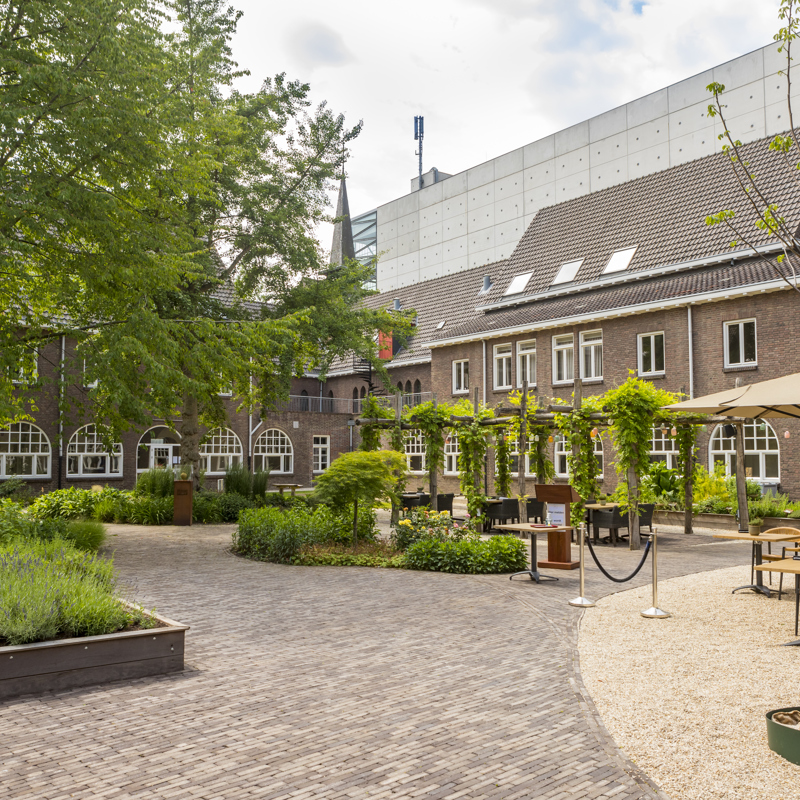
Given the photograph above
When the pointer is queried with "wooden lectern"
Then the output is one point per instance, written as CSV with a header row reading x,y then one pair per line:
x,y
559,553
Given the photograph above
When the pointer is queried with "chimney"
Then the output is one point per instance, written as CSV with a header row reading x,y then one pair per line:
x,y
487,283
397,304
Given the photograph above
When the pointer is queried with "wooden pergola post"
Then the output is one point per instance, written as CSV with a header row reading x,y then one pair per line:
x,y
522,448
741,479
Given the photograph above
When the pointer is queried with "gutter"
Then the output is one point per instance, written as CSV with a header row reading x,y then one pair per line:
x,y
623,311
626,277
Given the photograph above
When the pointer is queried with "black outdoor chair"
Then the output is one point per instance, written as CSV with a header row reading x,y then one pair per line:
x,y
535,510
444,502
410,502
646,511
424,500
507,509
612,520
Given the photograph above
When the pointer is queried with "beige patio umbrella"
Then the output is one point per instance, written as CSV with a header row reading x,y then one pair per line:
x,y
779,397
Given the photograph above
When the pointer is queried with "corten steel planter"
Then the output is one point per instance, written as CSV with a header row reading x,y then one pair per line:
x,y
67,663
783,740
182,507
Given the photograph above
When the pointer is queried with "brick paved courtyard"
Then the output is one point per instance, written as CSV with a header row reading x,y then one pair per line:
x,y
338,683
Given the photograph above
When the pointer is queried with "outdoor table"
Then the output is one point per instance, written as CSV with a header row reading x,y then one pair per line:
x,y
559,552
789,566
293,486
526,531
758,542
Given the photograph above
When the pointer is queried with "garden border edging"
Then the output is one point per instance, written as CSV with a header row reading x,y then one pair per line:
x,y
87,660
720,522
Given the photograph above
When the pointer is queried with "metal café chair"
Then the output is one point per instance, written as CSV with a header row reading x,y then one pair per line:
x,y
613,520
535,510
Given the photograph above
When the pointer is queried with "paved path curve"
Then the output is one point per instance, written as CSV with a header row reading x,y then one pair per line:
x,y
337,683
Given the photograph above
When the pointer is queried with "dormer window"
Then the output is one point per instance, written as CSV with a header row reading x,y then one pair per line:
x,y
619,260
518,284
568,271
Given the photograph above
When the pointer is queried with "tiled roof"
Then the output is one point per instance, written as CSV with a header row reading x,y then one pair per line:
x,y
652,291
662,215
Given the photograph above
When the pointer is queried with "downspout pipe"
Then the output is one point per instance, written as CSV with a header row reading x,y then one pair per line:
x,y
483,342
691,352
61,410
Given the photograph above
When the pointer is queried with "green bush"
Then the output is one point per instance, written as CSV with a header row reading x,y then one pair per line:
x,y
275,499
82,534
16,489
51,589
321,559
278,535
69,503
259,484
498,554
135,509
156,482
230,505
205,507
86,534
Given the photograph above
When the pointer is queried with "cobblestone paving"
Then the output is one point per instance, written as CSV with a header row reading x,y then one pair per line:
x,y
338,683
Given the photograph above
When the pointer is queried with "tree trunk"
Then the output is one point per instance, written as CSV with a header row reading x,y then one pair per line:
x,y
522,447
190,439
355,523
741,479
633,510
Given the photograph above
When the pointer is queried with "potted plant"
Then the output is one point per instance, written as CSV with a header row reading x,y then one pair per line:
x,y
754,526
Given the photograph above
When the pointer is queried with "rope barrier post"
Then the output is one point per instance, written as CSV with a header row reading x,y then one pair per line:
x,y
654,612
582,601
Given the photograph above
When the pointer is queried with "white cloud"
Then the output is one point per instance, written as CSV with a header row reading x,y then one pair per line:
x,y
488,75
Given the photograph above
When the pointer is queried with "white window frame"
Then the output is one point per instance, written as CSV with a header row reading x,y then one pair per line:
x,y
85,444
451,453
640,352
174,447
29,441
220,443
662,444
560,450
740,323
507,356
460,385
592,345
750,435
273,443
321,454
563,347
414,446
513,451
526,362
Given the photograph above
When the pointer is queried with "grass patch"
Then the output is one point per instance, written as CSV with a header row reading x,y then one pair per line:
x,y
369,554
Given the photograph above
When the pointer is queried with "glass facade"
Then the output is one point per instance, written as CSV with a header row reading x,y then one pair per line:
x,y
365,241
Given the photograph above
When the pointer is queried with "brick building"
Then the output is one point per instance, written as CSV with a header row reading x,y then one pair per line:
x,y
627,279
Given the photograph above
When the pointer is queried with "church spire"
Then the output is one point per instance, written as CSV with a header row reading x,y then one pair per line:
x,y
342,247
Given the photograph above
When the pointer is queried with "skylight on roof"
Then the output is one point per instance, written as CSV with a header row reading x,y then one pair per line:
x,y
619,261
440,325
518,284
568,271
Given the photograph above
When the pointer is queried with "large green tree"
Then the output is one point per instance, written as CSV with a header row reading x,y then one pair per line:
x,y
246,299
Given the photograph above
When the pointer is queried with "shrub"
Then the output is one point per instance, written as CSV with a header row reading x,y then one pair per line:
x,y
425,524
50,589
156,482
498,554
86,534
259,484
16,489
147,510
270,534
69,503
205,507
327,559
229,506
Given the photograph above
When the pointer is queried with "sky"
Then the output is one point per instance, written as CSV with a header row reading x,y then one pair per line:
x,y
488,75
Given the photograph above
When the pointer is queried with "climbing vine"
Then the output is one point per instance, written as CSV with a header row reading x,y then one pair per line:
x,y
502,478
538,436
473,442
371,408
431,419
581,430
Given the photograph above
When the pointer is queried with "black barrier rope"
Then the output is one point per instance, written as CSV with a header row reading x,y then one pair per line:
x,y
611,577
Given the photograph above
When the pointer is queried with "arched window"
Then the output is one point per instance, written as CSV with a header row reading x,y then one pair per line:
x,y
363,392
408,387
328,405
273,451
562,449
304,400
415,450
417,393
87,456
400,386
24,451
220,449
356,407
761,451
664,448
451,454
157,449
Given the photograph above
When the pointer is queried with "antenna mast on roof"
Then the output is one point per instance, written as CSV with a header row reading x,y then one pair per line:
x,y
419,131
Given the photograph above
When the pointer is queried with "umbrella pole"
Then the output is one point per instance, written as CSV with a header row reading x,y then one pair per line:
x,y
741,479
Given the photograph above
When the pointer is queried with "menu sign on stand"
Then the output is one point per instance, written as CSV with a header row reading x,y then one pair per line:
x,y
558,499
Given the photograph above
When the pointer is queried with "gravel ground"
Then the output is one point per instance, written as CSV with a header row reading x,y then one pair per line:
x,y
687,703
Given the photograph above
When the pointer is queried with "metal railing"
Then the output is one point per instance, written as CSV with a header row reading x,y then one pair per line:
x,y
347,405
